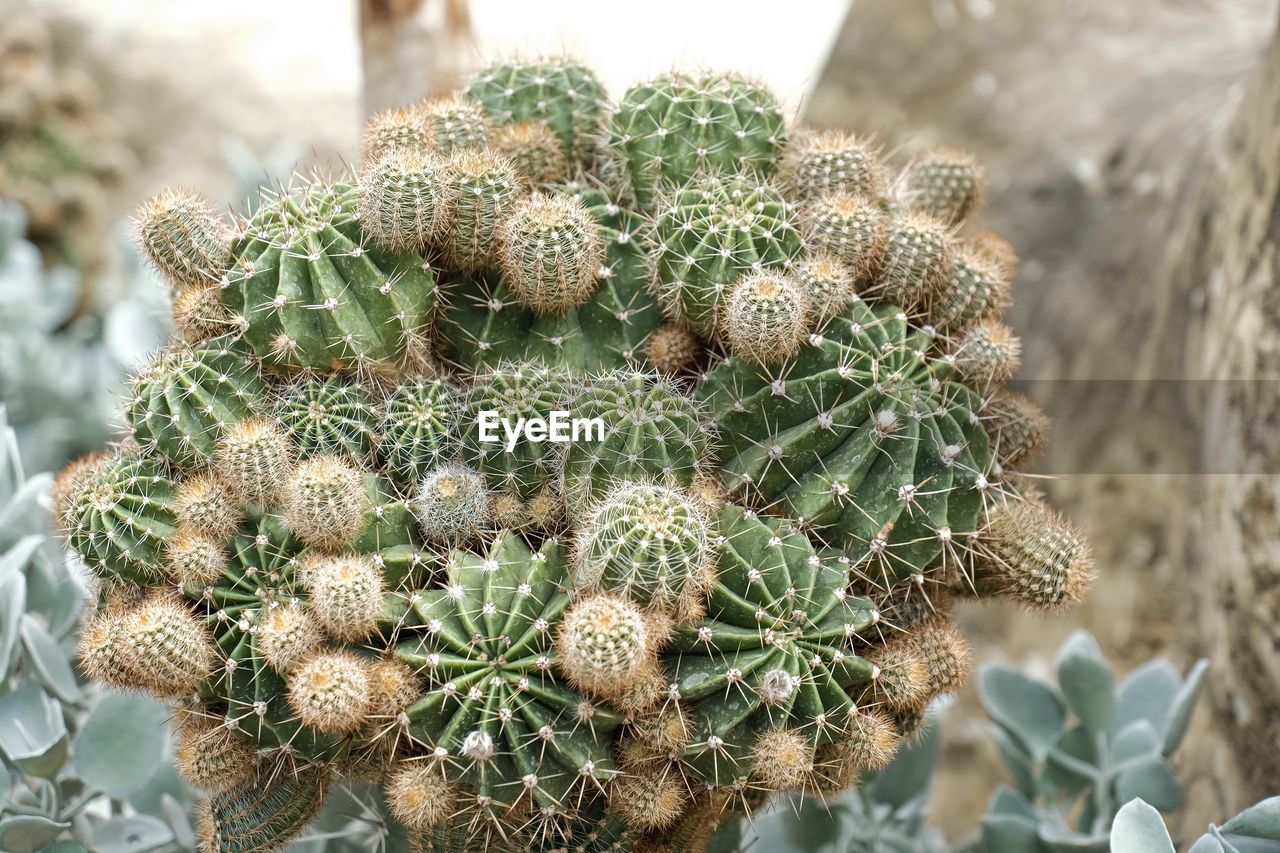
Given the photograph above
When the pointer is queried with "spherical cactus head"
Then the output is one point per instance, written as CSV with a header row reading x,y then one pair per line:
x,y
547,510
649,802
346,594
452,504
415,428
551,253
869,745
330,692
1032,555
782,759
208,755
117,514
68,485
203,505
649,543
332,416
454,122
901,679
285,635
510,512
181,233
605,644
485,188
988,353
976,288
766,318
534,149
253,459
420,795
991,248
265,811
406,200
680,125
828,284
1019,429
833,161
393,131
166,646
853,229
198,313
395,687
711,232
946,184
672,348
193,560
916,260
946,654
325,501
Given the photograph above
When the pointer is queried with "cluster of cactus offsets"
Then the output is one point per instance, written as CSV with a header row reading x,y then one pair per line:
x,y
344,537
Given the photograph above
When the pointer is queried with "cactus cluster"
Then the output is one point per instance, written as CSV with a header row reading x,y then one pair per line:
x,y
735,579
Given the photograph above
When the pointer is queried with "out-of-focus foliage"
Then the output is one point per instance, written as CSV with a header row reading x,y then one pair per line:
x,y
1138,828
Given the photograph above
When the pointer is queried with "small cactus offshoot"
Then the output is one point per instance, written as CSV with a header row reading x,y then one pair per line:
x,y
736,580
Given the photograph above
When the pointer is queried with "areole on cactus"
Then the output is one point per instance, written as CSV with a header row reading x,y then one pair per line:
x,y
740,584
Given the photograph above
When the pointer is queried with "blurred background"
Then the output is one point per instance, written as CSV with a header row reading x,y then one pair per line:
x,y
1131,151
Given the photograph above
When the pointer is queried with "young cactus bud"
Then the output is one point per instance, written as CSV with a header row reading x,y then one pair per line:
x,y
184,237
551,253
947,655
285,635
782,759
872,740
1018,428
605,645
547,510
406,201
916,260
395,131
452,504
766,318
988,353
828,284
854,229
672,348
454,122
331,692
395,687
209,756
991,248
900,680
484,188
166,646
649,543
263,812
253,459
1029,553
420,795
199,313
833,161
193,560
509,511
946,184
102,651
325,502
205,507
346,594
649,802
975,288
535,151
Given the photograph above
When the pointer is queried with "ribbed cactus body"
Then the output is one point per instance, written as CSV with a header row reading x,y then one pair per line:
x,y
714,231
652,433
331,416
119,517
860,437
563,94
511,392
415,427
483,324
677,126
184,401
777,649
264,812
312,293
483,186
511,728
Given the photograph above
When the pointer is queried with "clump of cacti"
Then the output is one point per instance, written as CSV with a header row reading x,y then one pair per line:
x,y
583,513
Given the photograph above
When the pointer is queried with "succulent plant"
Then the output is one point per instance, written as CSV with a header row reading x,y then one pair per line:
x,y
356,543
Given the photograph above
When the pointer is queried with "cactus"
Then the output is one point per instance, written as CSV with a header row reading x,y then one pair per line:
x,y
736,580
677,126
